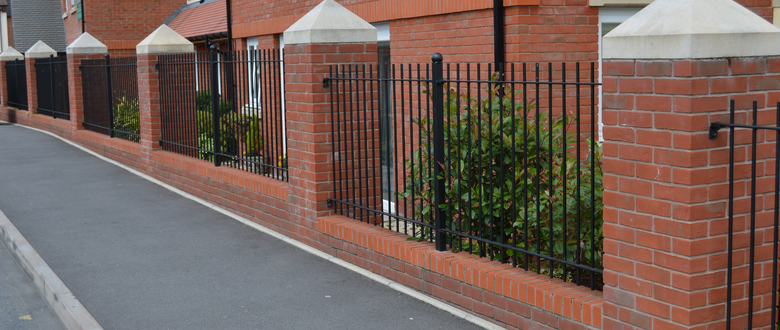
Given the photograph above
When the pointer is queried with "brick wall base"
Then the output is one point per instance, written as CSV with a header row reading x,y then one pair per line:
x,y
509,296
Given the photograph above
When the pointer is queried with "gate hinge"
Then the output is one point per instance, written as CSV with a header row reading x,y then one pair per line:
x,y
326,82
714,128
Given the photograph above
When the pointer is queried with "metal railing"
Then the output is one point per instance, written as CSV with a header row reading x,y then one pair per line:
x,y
51,75
505,166
110,93
241,125
16,78
752,220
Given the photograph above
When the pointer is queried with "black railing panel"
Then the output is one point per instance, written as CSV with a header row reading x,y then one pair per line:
x,y
16,78
241,125
753,214
110,91
506,166
51,76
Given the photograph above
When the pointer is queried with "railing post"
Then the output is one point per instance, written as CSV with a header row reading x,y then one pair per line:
x,y
215,103
438,150
110,97
51,84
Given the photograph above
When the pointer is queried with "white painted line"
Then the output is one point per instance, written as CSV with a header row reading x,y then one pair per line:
x,y
366,273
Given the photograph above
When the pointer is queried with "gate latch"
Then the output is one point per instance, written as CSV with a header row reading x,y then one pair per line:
x,y
326,82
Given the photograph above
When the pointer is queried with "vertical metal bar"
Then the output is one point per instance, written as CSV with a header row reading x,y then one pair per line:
x,y
337,141
512,175
350,135
564,174
51,84
773,321
109,98
215,105
579,177
374,143
458,156
754,143
537,175
489,163
550,157
526,257
403,145
730,245
592,173
438,149
469,142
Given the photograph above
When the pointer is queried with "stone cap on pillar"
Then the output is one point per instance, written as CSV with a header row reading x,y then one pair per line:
x,y
330,23
40,50
86,44
164,40
674,29
10,54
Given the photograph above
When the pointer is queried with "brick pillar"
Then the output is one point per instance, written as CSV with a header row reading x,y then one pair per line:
x,y
309,124
312,45
85,47
162,41
666,182
3,85
32,86
666,187
149,105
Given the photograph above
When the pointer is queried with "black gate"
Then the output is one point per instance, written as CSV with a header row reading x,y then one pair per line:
x,y
52,76
754,163
16,79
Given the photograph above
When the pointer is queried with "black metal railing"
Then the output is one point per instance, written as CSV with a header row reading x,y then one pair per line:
x,y
110,92
506,166
51,75
752,219
241,125
16,78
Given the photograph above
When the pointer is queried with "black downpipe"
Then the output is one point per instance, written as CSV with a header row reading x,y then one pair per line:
x,y
499,34
229,65
83,16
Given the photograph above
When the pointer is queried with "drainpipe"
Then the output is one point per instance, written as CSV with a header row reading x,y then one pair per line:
x,y
499,43
83,16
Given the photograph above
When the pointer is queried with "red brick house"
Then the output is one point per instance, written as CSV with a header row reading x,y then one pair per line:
x,y
120,25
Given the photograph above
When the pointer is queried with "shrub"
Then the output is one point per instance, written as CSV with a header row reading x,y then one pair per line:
x,y
505,182
127,118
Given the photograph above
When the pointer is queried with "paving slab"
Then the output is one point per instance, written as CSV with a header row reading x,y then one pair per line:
x,y
21,307
139,256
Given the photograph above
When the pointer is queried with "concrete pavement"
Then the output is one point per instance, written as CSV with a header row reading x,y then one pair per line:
x,y
139,256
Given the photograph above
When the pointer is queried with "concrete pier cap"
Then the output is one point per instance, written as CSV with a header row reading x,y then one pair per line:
x,y
86,44
40,50
692,29
11,54
330,23
164,40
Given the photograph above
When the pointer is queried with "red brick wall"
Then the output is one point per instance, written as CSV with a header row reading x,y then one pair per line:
x,y
666,190
544,31
121,25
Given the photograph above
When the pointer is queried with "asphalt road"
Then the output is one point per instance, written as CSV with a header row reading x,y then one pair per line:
x,y
139,256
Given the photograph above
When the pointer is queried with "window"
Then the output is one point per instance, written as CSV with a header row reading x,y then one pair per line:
x,y
386,116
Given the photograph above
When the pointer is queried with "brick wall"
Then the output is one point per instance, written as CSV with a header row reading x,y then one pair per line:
x,y
120,25
540,30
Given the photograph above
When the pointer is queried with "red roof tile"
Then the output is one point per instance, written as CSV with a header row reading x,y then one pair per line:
x,y
201,20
